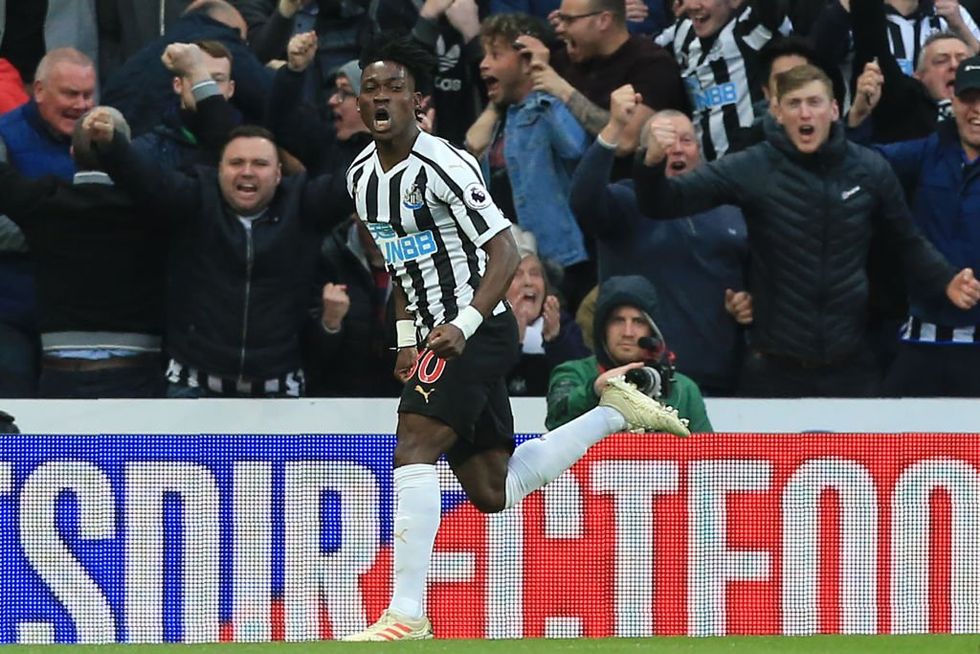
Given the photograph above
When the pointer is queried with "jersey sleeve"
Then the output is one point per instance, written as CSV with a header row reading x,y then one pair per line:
x,y
464,192
356,169
350,183
971,24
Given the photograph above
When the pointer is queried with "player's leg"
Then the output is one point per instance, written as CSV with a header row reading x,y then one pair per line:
x,y
494,481
482,474
418,507
418,511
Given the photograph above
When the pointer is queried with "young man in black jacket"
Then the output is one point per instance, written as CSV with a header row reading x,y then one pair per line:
x,y
242,251
811,202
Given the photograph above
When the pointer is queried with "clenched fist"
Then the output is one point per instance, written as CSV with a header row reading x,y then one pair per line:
x,y
336,303
300,51
964,289
182,58
100,125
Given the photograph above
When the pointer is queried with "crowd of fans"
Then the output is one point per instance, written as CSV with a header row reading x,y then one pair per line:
x,y
764,198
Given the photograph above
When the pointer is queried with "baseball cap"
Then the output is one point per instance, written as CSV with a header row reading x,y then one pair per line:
x,y
968,75
352,71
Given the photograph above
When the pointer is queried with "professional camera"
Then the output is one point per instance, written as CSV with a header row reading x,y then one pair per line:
x,y
656,377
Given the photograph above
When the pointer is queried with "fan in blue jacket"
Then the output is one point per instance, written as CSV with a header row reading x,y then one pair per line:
x,y
940,349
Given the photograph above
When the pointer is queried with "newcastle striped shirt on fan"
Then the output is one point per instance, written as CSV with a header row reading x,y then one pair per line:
x,y
906,36
722,80
429,216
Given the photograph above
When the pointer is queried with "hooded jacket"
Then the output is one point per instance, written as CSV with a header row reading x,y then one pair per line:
x,y
570,389
810,220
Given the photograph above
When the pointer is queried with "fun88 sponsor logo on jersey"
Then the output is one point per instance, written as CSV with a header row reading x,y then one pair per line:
x,y
398,249
713,96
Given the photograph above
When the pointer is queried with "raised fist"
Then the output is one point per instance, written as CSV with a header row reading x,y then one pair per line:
x,y
300,51
100,125
181,58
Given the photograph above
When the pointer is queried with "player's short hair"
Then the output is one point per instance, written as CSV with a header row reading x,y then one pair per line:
x,y
510,26
796,78
405,51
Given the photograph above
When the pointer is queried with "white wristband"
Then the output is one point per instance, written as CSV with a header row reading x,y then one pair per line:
x,y
468,321
604,143
405,333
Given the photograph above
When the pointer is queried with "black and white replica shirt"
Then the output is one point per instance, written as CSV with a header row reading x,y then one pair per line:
x,y
430,214
907,34
722,77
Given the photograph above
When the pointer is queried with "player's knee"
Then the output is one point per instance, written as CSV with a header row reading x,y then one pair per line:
x,y
409,455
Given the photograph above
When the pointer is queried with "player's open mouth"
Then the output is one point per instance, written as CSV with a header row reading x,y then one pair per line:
x,y
807,130
493,85
678,165
247,189
382,119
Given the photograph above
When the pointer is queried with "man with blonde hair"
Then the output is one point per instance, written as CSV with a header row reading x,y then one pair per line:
x,y
812,202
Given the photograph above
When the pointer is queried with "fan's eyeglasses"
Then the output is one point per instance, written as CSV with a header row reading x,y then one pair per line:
x,y
568,19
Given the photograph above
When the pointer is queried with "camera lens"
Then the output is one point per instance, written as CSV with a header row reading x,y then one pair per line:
x,y
646,380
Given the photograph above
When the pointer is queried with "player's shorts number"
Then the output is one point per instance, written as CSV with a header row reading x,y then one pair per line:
x,y
429,367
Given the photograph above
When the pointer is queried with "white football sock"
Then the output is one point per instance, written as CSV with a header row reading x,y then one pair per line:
x,y
417,515
539,461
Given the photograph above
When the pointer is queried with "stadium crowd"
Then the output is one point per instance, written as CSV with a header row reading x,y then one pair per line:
x,y
762,198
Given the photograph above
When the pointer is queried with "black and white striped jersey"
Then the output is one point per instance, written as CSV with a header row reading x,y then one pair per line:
x,y
430,214
906,35
722,78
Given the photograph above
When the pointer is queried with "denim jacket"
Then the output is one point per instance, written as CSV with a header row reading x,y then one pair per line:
x,y
542,144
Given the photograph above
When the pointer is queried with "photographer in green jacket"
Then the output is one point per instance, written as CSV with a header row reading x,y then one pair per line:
x,y
627,342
